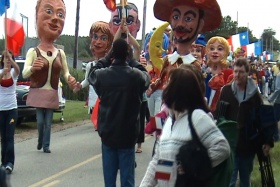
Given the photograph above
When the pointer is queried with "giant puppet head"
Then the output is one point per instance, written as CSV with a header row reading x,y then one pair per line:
x,y
165,44
50,17
132,20
188,17
198,48
217,50
101,39
239,53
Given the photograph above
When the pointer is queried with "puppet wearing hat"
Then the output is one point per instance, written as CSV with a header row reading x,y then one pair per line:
x,y
187,19
198,48
217,50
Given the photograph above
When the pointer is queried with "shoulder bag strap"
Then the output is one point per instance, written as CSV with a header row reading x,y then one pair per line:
x,y
194,134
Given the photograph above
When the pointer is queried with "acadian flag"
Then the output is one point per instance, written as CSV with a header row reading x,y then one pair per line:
x,y
266,56
110,4
3,5
238,40
14,30
253,49
164,169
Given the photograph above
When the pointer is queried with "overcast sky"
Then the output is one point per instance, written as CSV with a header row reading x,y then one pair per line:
x,y
258,15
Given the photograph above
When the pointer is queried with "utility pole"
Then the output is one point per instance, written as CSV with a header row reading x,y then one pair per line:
x,y
25,17
23,49
237,23
144,23
75,58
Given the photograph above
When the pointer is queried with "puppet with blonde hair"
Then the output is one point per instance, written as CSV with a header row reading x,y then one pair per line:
x,y
239,53
217,50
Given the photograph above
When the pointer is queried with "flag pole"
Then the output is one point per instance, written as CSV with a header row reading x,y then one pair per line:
x,y
144,23
123,3
5,25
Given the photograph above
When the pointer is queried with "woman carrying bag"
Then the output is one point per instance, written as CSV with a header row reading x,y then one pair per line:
x,y
183,96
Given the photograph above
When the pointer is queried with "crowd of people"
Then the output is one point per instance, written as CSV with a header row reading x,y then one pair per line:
x,y
171,89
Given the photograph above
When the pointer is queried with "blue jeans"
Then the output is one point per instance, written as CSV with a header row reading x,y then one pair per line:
x,y
243,165
44,121
155,102
8,121
114,159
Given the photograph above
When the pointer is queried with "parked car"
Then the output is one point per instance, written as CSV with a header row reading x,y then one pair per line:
x,y
27,113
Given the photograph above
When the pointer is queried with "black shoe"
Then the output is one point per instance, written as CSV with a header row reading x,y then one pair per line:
x,y
47,151
39,146
9,169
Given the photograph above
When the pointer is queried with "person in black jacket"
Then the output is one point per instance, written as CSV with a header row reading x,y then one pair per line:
x,y
120,86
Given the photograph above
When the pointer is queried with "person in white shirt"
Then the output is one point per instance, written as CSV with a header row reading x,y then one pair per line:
x,y
9,72
181,100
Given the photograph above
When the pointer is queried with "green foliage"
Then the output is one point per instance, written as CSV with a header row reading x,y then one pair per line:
x,y
74,111
229,27
68,93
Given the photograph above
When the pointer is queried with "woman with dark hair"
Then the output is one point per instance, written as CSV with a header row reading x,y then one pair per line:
x,y
183,96
9,72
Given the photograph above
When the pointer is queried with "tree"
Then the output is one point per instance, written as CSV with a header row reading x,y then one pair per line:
x,y
270,43
229,28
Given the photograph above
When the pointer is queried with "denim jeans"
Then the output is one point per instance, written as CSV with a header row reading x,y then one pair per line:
x,y
243,165
44,121
114,159
8,121
155,102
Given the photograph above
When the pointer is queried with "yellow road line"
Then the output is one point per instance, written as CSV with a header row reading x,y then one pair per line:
x,y
52,183
40,183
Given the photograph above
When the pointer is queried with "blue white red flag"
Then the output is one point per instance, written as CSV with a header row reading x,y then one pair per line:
x,y
3,5
253,49
238,40
15,34
164,169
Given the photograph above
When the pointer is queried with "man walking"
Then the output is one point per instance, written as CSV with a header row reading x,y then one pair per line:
x,y
243,96
120,87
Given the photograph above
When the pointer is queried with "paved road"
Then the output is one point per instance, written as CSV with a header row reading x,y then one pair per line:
x,y
75,160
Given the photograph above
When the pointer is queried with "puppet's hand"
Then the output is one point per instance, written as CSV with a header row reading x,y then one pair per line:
x,y
77,87
72,83
37,64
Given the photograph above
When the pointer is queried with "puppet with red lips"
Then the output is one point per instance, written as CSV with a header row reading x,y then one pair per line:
x,y
187,19
217,50
43,65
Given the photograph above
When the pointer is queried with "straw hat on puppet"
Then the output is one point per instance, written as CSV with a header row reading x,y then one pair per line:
x,y
212,12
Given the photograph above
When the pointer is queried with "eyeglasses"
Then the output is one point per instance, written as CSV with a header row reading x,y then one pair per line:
x,y
102,37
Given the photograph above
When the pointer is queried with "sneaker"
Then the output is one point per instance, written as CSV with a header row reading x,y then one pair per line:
x,y
9,169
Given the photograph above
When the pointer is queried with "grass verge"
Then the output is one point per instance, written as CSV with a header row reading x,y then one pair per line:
x,y
74,111
275,160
